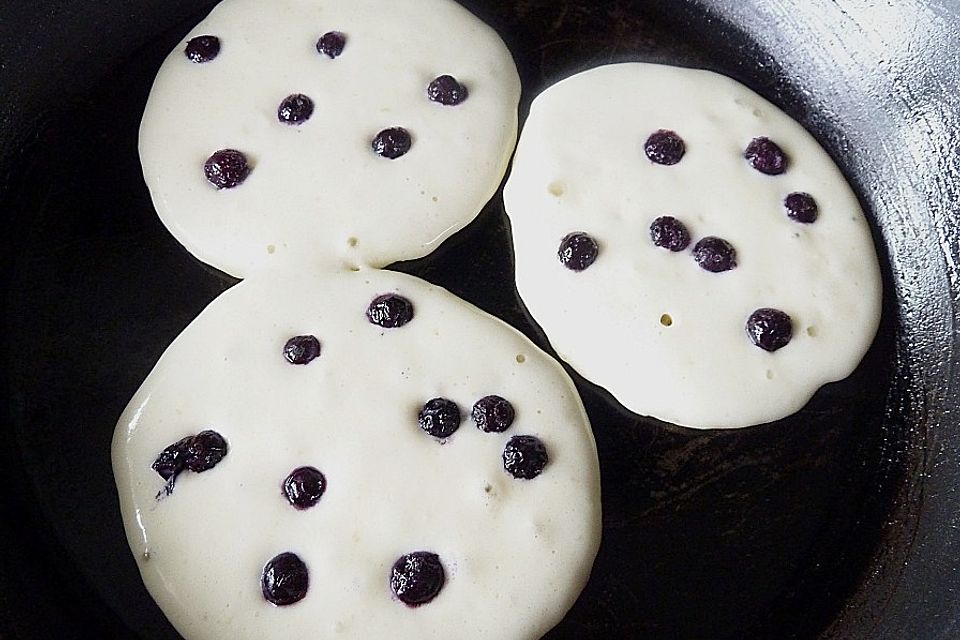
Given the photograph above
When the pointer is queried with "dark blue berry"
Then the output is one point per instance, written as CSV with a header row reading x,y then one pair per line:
x,y
664,147
295,109
524,457
766,156
392,143
447,91
439,417
202,48
194,453
285,580
226,168
301,349
304,487
801,207
171,460
390,311
577,251
669,233
715,254
205,451
417,578
331,44
769,329
493,414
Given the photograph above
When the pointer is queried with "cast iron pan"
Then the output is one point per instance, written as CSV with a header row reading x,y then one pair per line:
x,y
840,522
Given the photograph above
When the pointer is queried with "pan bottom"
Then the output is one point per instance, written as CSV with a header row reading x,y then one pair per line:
x,y
759,533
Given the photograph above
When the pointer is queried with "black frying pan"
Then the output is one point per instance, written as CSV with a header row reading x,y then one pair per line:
x,y
842,521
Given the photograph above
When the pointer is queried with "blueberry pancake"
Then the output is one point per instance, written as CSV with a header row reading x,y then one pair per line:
x,y
688,246
357,455
328,133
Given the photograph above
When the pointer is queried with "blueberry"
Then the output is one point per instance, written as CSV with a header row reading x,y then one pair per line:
x,y
769,329
295,109
331,44
301,349
715,254
446,90
226,168
440,417
664,147
390,311
285,579
801,207
205,451
577,251
669,233
304,487
493,414
766,156
392,143
416,578
193,453
524,457
202,48
171,460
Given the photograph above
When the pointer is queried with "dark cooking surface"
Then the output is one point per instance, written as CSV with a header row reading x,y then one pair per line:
x,y
773,532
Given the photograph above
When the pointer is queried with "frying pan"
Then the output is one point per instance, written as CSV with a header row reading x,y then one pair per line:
x,y
841,522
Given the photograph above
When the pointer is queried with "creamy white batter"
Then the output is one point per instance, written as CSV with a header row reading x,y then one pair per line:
x,y
516,552
317,195
580,166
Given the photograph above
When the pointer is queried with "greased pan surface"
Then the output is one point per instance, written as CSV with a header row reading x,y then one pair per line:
x,y
839,522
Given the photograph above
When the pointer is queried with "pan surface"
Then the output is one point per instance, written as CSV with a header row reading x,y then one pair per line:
x,y
842,521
